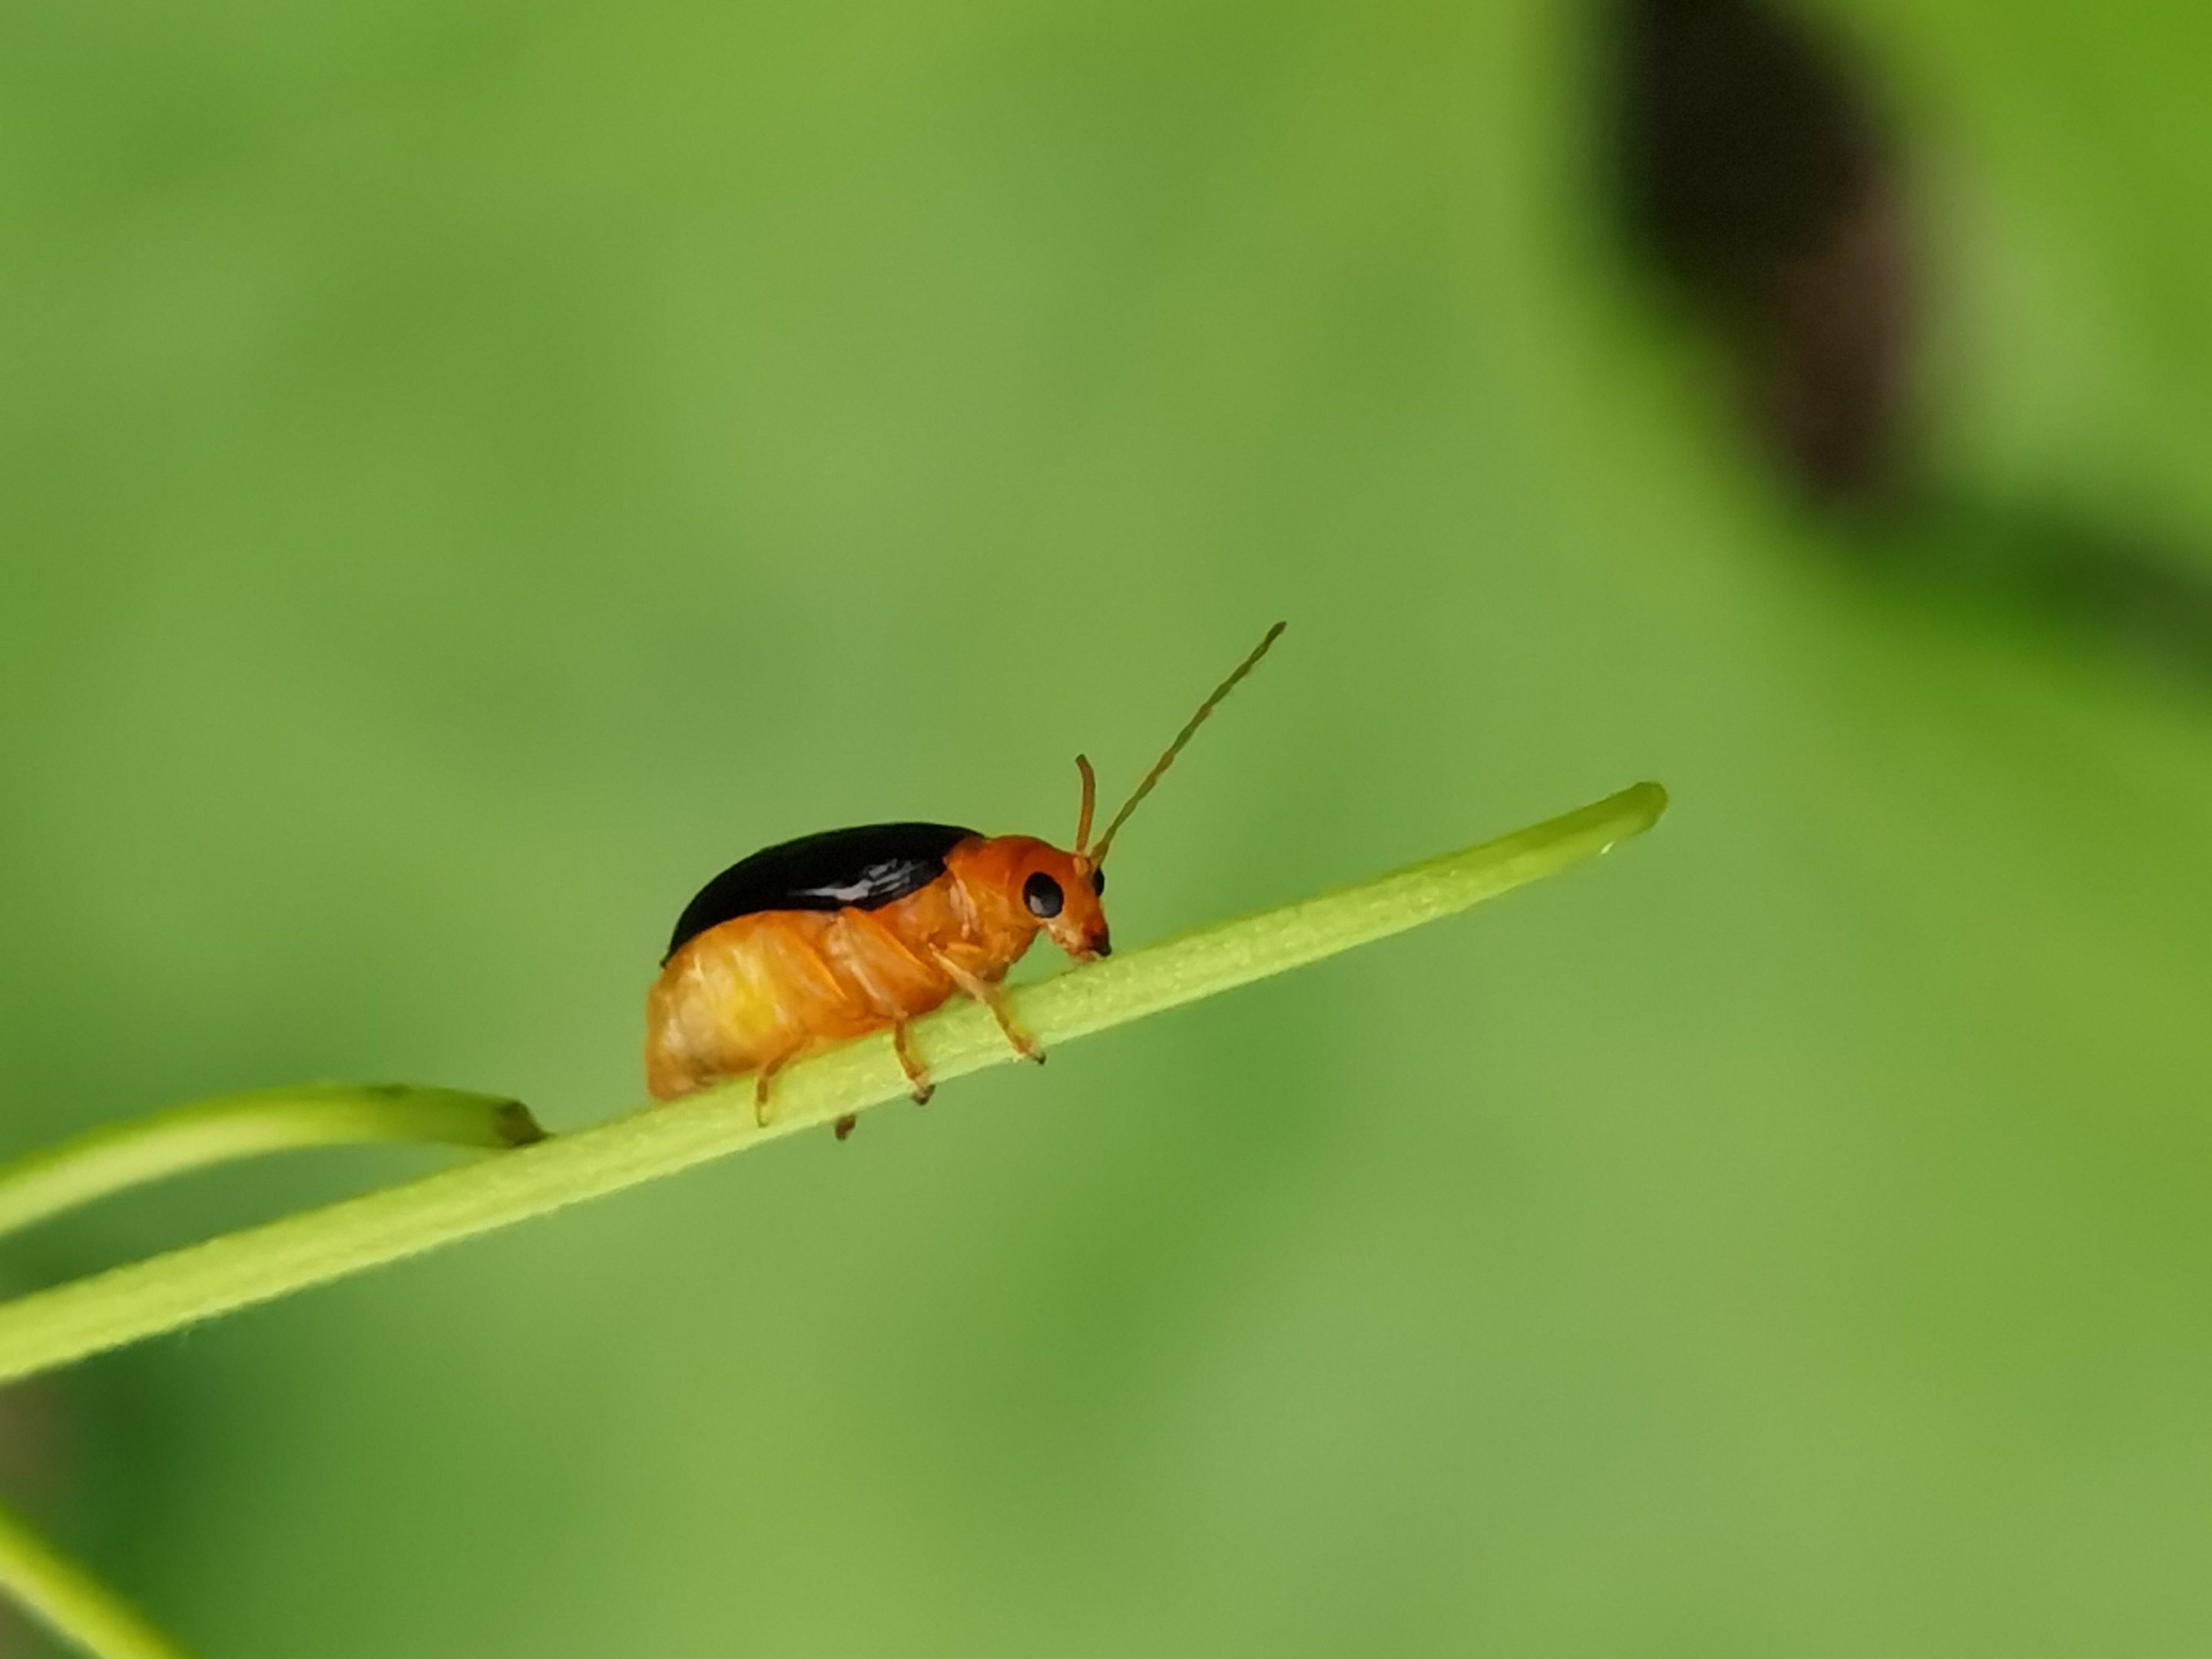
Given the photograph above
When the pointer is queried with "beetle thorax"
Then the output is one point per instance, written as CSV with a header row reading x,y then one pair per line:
x,y
986,873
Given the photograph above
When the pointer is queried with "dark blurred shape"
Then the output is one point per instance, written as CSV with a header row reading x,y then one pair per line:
x,y
1753,166
2053,570
1753,171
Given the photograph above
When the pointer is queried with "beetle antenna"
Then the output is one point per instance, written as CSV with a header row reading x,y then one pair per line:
x,y
1160,766
1090,801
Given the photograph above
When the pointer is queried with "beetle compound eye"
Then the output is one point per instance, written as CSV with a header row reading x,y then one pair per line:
x,y
1099,881
1043,895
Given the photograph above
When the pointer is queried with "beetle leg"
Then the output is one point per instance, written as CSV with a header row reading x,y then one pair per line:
x,y
764,1113
917,1074
983,991
889,1000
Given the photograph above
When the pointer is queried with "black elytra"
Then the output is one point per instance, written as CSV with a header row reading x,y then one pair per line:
x,y
865,868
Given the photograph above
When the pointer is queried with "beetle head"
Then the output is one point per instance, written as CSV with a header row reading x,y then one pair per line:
x,y
1024,886
1062,892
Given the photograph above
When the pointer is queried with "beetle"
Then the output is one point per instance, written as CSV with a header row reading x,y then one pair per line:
x,y
832,936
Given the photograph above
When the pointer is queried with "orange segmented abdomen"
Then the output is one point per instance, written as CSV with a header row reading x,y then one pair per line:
x,y
764,988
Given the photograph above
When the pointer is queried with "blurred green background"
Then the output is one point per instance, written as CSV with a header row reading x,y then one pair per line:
x,y
468,472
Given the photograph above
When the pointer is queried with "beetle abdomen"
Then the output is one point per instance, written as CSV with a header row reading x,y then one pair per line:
x,y
761,989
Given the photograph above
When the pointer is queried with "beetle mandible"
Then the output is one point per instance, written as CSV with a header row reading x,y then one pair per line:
x,y
832,936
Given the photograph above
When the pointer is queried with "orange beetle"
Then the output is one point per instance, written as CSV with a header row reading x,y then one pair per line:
x,y
832,936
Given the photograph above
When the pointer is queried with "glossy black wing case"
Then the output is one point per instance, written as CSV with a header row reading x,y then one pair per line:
x,y
866,868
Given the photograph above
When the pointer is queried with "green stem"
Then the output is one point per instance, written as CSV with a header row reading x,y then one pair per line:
x,y
55,1326
70,1602
119,1155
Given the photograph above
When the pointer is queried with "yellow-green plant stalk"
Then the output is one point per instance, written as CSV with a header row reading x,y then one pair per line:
x,y
56,1327
117,1156
70,1602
